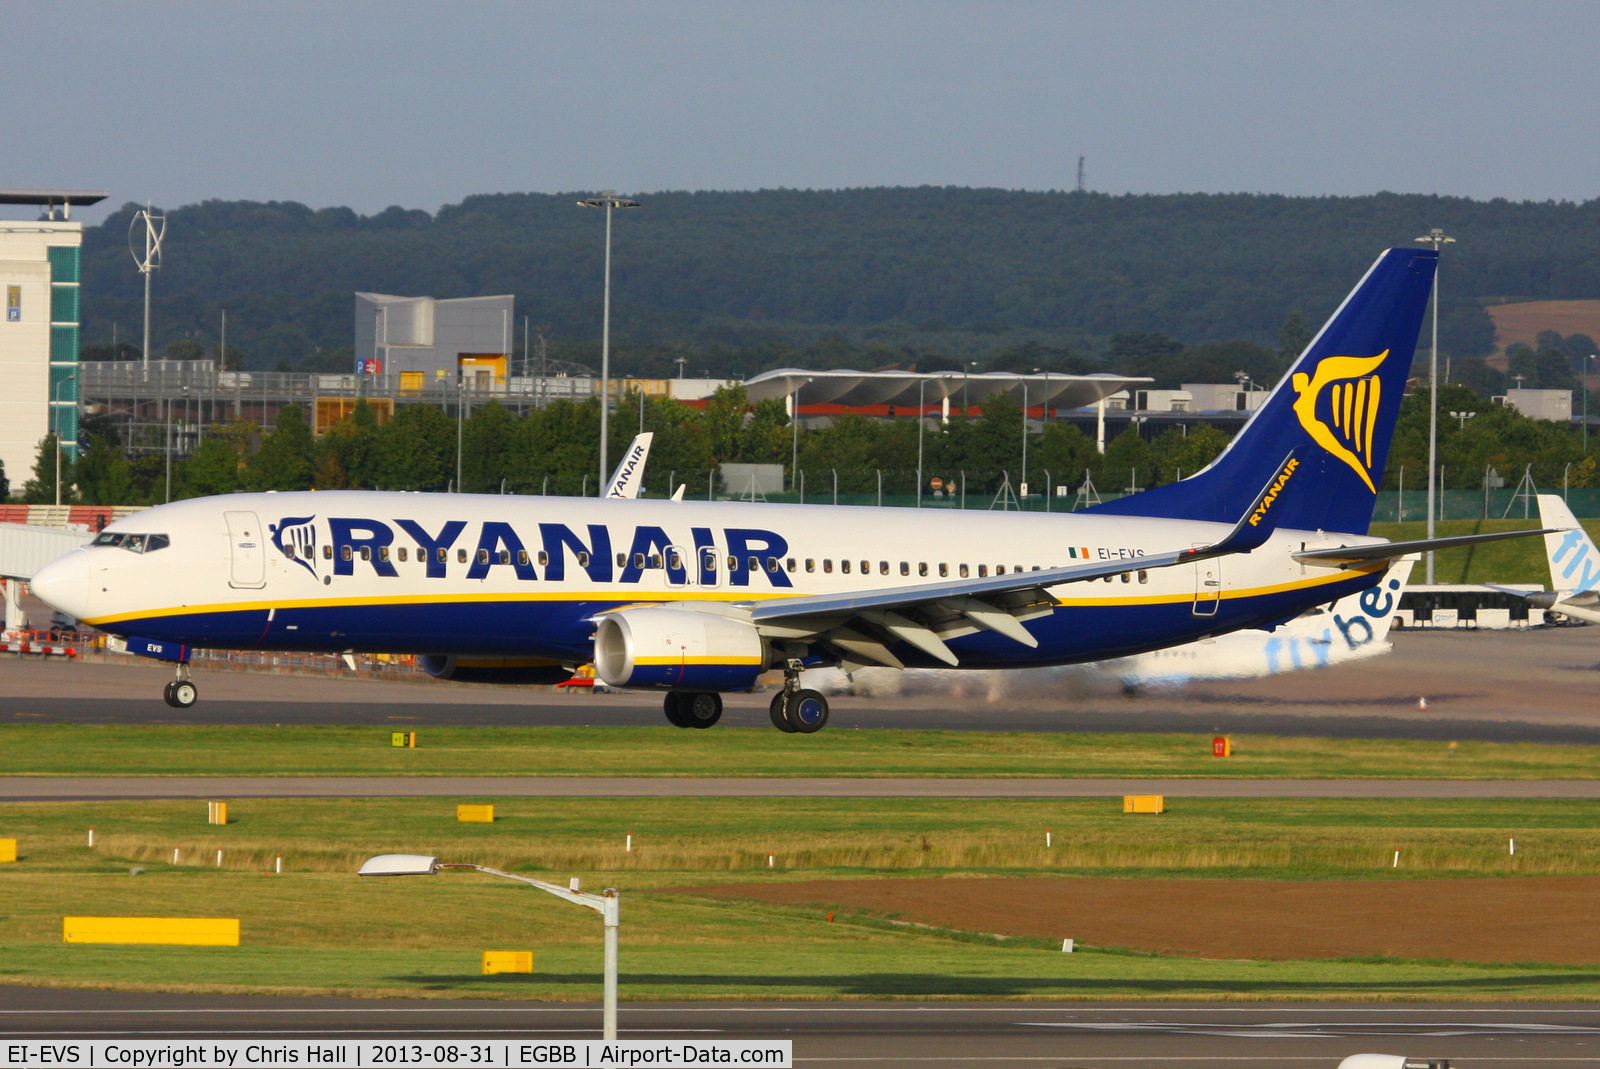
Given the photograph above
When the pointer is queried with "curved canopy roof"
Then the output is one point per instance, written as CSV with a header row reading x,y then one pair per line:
x,y
856,389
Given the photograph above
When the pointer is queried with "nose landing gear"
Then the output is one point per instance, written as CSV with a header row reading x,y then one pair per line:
x,y
181,692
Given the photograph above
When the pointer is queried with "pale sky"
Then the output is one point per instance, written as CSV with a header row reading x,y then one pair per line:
x,y
368,104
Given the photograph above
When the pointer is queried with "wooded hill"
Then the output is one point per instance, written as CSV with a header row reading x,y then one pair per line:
x,y
744,281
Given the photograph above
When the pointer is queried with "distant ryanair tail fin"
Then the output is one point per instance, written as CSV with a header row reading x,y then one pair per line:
x,y
1336,410
627,480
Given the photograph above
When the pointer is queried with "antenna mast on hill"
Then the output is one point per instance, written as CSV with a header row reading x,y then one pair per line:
x,y
1082,176
155,227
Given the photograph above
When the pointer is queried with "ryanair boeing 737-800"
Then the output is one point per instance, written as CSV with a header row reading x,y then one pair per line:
x,y
696,598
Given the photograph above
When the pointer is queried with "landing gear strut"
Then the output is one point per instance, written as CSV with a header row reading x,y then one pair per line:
x,y
181,692
794,709
692,710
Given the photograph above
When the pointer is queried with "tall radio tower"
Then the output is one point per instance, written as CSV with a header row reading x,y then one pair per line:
x,y
1082,176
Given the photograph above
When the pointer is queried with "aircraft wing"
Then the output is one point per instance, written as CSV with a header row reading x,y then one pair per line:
x,y
927,614
1387,550
629,476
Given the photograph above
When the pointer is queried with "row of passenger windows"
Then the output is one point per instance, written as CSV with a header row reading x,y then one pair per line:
x,y
674,561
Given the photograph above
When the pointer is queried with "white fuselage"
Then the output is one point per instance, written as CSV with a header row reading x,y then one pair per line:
x,y
527,576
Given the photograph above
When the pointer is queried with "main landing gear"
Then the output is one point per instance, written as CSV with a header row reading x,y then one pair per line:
x,y
797,710
692,710
181,692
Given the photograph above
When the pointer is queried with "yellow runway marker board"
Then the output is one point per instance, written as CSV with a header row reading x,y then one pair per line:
x,y
176,931
498,961
475,814
1144,803
8,849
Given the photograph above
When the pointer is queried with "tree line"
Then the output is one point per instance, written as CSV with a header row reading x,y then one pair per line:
x,y
741,281
555,450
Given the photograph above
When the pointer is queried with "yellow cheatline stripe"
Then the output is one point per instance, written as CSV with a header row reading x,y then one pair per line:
x,y
402,600
696,660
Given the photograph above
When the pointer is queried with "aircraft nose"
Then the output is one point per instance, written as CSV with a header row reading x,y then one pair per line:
x,y
63,584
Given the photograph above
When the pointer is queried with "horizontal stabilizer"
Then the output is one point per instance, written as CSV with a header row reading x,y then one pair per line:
x,y
1389,550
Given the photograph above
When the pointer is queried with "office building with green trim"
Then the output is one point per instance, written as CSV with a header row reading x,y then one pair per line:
x,y
40,314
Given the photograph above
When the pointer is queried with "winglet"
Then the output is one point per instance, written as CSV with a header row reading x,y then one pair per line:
x,y
1258,523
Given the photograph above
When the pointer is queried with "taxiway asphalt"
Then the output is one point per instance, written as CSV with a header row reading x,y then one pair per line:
x,y
1505,686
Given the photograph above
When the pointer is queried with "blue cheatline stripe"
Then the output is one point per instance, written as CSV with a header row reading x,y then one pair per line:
x,y
560,630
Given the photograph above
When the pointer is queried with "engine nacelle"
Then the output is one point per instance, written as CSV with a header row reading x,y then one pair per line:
x,y
679,649
495,670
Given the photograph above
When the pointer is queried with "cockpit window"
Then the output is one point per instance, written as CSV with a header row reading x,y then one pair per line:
x,y
133,543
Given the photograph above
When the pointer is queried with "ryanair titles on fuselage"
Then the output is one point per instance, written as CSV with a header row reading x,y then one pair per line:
x,y
531,555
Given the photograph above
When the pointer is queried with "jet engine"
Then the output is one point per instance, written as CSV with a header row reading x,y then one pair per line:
x,y
495,670
677,648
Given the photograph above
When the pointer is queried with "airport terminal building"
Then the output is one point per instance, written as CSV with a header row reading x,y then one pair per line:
x,y
40,273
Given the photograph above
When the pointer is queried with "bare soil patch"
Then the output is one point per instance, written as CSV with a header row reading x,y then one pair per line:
x,y
1522,322
1544,919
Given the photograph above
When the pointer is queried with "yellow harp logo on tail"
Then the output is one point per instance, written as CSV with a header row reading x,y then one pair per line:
x,y
1354,390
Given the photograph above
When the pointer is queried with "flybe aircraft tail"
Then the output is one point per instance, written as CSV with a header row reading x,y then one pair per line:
x,y
1336,409
1574,561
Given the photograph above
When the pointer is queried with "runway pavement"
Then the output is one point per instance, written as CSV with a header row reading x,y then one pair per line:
x,y
1536,686
1045,1034
115,788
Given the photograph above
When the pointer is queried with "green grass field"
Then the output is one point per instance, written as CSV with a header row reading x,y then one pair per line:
x,y
168,750
320,928
1516,560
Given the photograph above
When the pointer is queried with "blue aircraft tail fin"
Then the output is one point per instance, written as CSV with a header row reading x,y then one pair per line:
x,y
1335,409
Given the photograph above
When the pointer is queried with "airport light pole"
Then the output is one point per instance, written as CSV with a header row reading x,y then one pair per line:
x,y
461,404
606,904
1586,403
1023,486
1436,238
794,430
608,200
922,385
55,415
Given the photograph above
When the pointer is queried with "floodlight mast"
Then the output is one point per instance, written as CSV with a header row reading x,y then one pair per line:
x,y
608,200
1436,238
606,904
